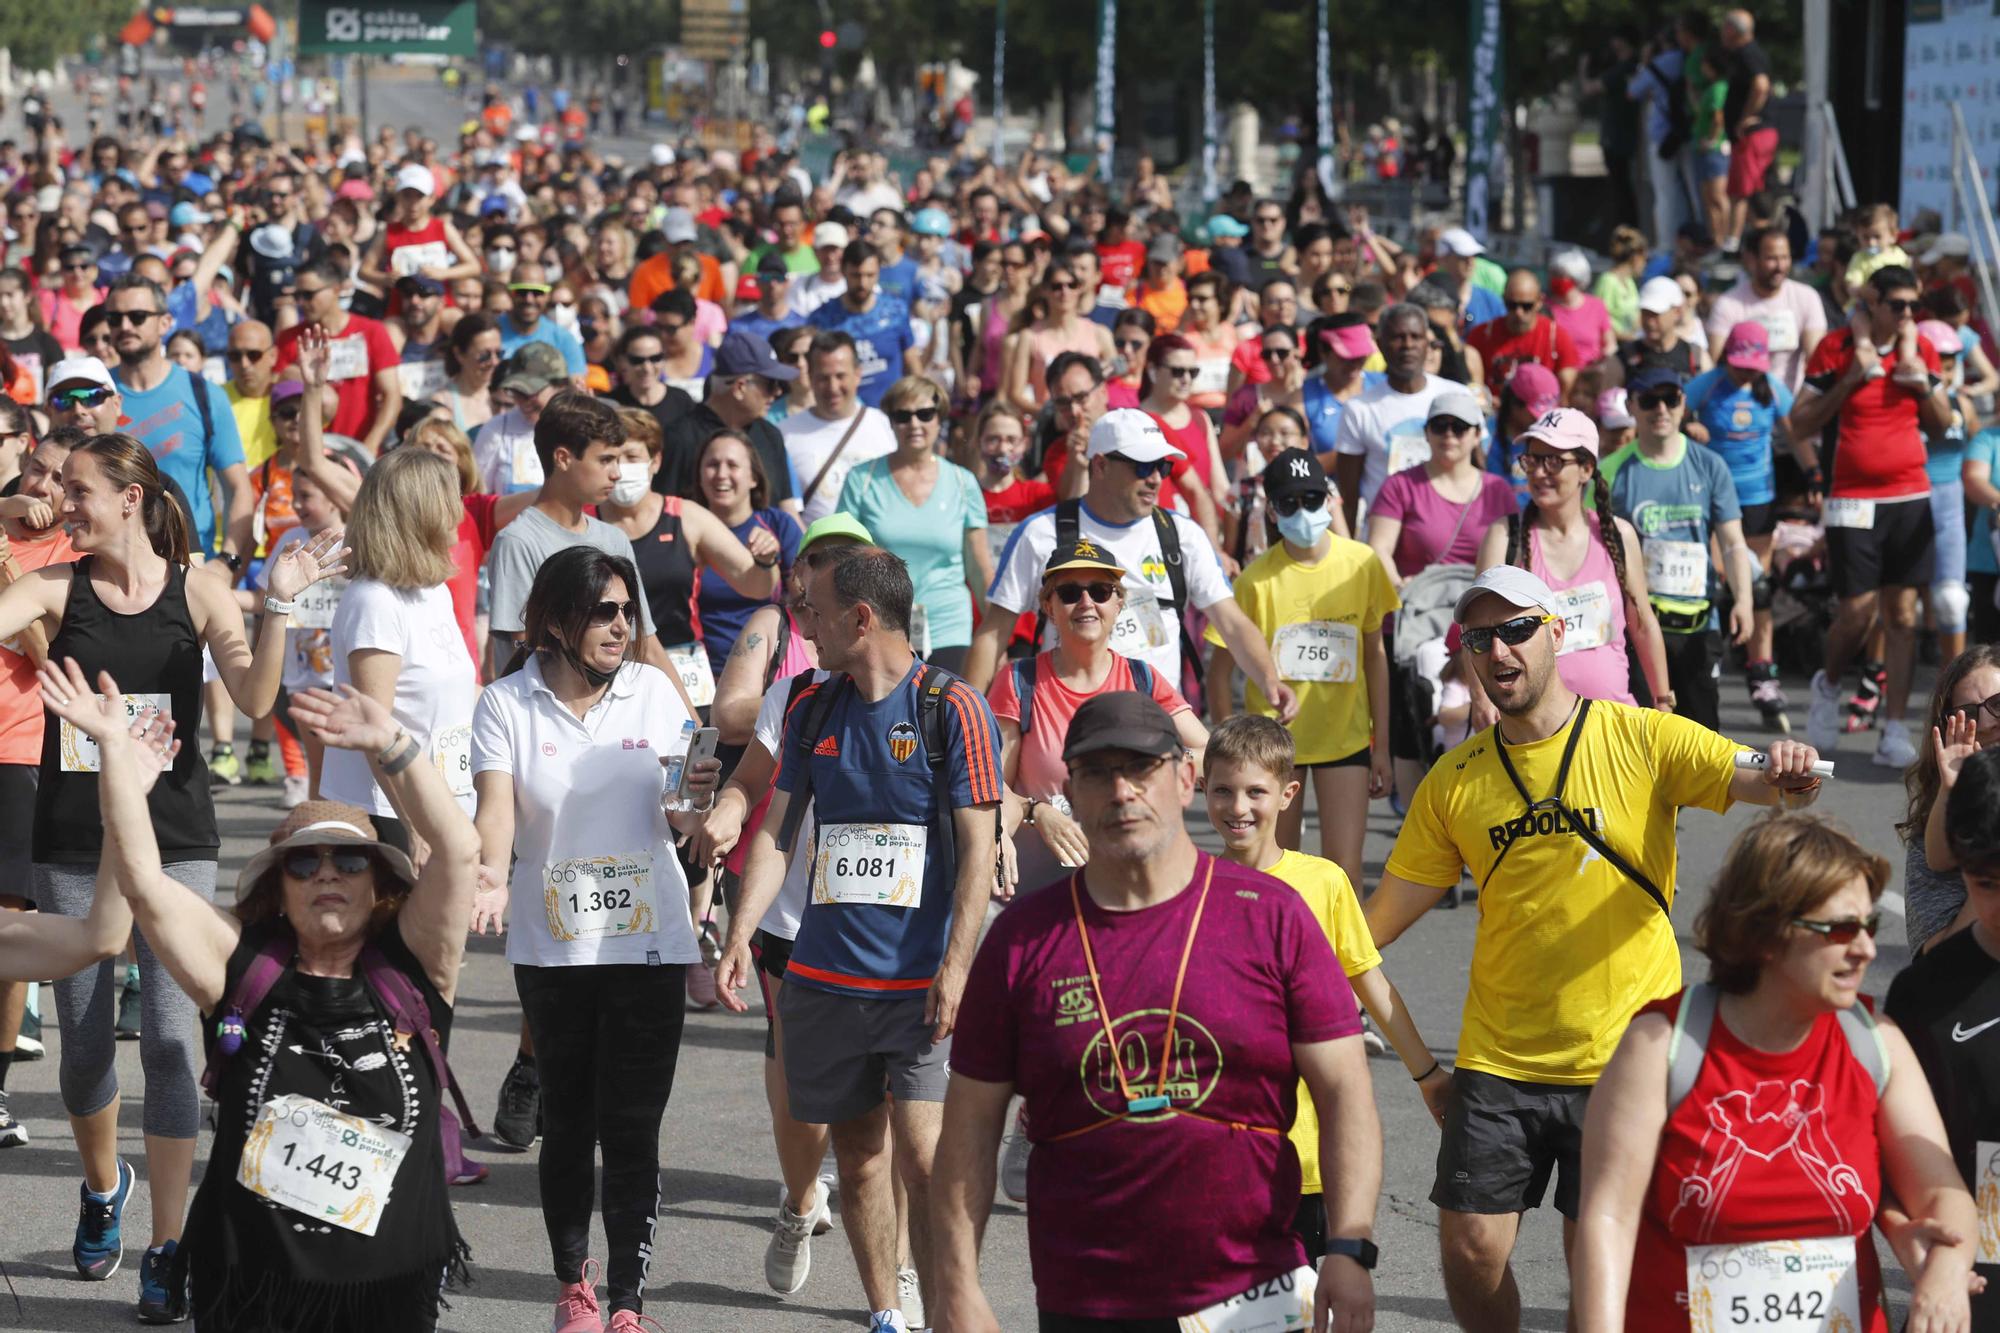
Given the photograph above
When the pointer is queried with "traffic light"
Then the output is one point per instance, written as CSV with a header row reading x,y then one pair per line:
x,y
827,39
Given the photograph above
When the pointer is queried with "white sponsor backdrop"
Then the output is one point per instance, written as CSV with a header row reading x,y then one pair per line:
x,y
1952,55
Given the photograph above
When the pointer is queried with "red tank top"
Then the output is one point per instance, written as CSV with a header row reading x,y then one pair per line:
x,y
1764,1147
426,247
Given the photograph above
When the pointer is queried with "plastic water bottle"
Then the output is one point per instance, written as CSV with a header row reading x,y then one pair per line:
x,y
676,765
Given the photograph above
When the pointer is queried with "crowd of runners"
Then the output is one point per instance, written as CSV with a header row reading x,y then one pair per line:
x,y
707,574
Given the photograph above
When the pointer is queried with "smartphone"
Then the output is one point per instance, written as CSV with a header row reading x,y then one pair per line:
x,y
701,746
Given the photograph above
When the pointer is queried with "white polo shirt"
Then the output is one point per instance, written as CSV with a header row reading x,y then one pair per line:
x,y
789,908
595,876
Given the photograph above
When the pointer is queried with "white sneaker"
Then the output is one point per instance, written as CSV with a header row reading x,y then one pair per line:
x,y
1824,722
1371,1040
888,1321
1894,750
297,791
1014,1150
910,1296
826,1202
788,1258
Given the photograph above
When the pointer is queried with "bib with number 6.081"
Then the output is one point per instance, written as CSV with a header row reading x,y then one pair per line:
x,y
334,1168
870,865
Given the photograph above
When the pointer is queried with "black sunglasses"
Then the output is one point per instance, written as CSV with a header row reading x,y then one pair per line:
x,y
84,267
1159,467
1655,398
1513,633
1069,594
1522,305
117,318
1129,344
658,360
1276,354
304,862
1183,372
1970,712
289,412
605,612
1450,426
1901,307
1841,932
903,416
246,353
1287,505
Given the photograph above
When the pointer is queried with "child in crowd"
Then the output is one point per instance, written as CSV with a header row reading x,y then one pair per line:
x,y
308,638
1876,229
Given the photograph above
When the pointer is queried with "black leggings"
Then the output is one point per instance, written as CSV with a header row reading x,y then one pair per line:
x,y
607,1039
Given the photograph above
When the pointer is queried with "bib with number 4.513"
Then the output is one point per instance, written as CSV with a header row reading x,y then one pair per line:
x,y
870,865
697,677
1318,650
317,604
334,1168
79,752
1783,1286
1283,1304
601,895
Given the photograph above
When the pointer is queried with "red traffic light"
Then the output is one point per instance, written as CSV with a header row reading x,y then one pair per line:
x,y
827,39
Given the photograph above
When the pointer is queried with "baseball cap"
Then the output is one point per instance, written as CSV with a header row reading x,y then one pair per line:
x,y
1951,245
677,226
185,214
1457,405
1653,377
1613,412
75,370
415,176
1748,347
1083,553
1121,720
1660,295
744,353
356,188
1130,434
830,234
772,265
1294,472
533,368
660,155
1535,386
419,284
1350,342
748,288
837,524
931,222
1512,584
1163,250
1222,224
1458,241
1942,335
1563,428
283,389
495,204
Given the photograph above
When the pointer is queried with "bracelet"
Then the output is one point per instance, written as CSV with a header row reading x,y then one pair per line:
x,y
772,563
275,606
400,754
1028,816
1435,1066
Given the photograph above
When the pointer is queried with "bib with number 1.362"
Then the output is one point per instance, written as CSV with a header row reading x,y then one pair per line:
x,y
601,895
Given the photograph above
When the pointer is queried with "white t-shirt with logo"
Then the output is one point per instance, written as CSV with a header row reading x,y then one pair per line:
x,y
1381,423
789,908
810,441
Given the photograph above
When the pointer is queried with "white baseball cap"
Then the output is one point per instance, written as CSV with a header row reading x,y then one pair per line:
x,y
830,233
82,370
1130,433
1512,584
1951,245
416,176
661,155
1460,242
1660,295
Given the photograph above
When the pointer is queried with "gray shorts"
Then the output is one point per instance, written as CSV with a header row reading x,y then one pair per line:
x,y
844,1052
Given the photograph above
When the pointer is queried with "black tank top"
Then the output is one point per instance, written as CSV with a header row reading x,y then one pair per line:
x,y
666,571
154,651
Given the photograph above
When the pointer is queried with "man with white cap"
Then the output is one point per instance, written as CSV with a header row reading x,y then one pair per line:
x,y
1662,313
82,393
415,242
1564,813
1170,565
1458,252
814,290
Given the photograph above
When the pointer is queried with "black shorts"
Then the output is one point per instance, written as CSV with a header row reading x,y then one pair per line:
x,y
1359,759
773,954
1405,741
1897,552
1070,1323
1759,520
17,831
1503,1139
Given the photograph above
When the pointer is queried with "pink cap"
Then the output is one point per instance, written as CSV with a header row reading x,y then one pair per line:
x,y
1942,336
1748,347
357,189
1613,411
1564,428
1352,343
1536,386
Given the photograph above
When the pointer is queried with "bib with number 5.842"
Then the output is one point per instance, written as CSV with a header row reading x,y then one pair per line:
x,y
451,751
697,677
1676,569
870,865
1586,616
334,1168
1281,1305
79,752
1141,626
1782,1286
1318,650
1847,513
601,895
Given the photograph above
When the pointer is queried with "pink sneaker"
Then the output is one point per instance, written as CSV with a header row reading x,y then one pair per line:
x,y
577,1310
631,1321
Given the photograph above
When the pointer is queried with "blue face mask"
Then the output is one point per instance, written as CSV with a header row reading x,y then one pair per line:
x,y
1307,526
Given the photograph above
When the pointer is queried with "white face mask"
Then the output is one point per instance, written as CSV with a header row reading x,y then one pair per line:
x,y
500,262
563,315
631,485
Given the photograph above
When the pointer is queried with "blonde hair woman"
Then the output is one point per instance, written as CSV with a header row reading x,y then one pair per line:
x,y
482,520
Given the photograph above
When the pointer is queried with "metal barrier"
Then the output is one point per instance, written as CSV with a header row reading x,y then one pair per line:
x,y
1972,213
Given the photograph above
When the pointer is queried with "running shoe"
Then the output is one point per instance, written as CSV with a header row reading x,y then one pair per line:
x,y
1014,1150
162,1293
1823,715
517,1121
1371,1040
1894,750
98,1248
888,1321
1768,696
471,1173
577,1310
224,768
28,1042
788,1257
298,790
129,1008
631,1321
910,1296
258,770
1867,700
13,1134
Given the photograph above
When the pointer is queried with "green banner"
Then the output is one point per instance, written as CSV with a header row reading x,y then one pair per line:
x,y
1485,105
378,27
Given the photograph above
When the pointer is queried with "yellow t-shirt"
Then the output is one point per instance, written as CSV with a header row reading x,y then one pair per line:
x,y
1315,617
1326,889
253,423
1568,947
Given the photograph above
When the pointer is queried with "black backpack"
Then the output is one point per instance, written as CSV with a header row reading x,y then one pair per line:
x,y
1069,527
1025,669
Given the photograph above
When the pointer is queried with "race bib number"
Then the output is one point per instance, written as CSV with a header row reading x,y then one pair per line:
x,y
1676,569
1141,626
309,1157
697,677
1986,1198
1282,1304
79,752
870,865
601,895
317,604
920,630
1211,376
1781,329
421,379
451,751
526,464
1787,1286
408,259
1586,617
346,359
1408,451
1848,514
1318,650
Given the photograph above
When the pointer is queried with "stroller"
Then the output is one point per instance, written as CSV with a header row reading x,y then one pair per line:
x,y
1430,600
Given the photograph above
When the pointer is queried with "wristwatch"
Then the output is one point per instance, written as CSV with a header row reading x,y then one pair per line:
x,y
1362,1252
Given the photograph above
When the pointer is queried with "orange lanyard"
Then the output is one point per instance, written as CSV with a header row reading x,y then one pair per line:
x,y
1157,1101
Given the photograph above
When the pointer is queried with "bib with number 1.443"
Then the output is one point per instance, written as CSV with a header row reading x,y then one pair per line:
x,y
79,752
334,1168
601,895
1787,1286
870,865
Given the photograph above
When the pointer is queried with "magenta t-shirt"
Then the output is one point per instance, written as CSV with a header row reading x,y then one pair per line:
x,y
1157,1216
1585,324
1428,519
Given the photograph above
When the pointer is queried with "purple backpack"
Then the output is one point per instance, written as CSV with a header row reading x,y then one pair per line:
x,y
407,1010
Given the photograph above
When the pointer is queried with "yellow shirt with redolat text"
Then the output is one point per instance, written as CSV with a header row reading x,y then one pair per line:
x,y
1316,618
1328,893
1568,946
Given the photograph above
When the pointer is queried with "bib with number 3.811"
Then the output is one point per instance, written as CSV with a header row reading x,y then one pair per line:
x,y
870,865
601,895
1676,569
1284,1304
451,751
697,677
1783,1286
334,1168
1318,650
79,752
1586,616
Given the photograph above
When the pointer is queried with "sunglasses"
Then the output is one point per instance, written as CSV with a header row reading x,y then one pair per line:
x,y
1841,932
1533,462
1523,305
1069,594
1014,263
528,288
1276,354
1129,344
670,329
72,399
490,355
1159,467
1450,426
246,353
903,416
1513,633
1183,372
78,268
658,360
289,412
605,612
1970,712
119,318
1901,307
1287,505
1657,398
307,293
304,862
1065,286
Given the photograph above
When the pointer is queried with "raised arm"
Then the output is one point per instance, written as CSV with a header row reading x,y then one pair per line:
x,y
751,569
252,677
340,483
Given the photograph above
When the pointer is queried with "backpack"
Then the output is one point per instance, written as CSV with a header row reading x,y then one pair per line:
x,y
1025,669
407,1011
1069,528
1688,1049
1680,115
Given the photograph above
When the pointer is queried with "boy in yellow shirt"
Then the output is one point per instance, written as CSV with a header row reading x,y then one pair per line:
x,y
1247,771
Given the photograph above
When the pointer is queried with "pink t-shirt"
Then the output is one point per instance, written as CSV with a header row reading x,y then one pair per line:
x,y
1160,1215
1588,325
1791,318
1595,609
1041,773
1429,519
